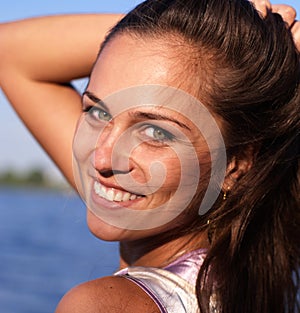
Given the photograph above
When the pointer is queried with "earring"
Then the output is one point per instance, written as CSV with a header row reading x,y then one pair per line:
x,y
225,194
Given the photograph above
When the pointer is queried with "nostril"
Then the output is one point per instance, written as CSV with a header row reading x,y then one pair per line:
x,y
106,173
110,173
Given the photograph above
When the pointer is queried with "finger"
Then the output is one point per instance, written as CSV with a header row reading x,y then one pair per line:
x,y
295,29
287,12
262,6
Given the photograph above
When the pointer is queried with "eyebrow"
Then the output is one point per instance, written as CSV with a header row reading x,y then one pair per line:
x,y
138,114
157,116
95,99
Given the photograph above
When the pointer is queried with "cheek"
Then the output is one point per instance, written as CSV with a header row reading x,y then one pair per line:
x,y
158,167
84,141
205,165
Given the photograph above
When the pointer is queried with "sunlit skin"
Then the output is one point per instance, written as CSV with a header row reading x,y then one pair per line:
x,y
123,63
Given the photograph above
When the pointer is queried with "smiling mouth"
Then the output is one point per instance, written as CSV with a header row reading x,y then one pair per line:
x,y
112,194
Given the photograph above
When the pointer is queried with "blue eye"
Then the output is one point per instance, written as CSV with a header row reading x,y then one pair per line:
x,y
98,114
158,134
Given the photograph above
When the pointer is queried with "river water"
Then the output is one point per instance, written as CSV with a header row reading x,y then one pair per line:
x,y
46,249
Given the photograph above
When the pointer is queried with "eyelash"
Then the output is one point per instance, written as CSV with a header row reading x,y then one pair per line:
x,y
91,109
168,137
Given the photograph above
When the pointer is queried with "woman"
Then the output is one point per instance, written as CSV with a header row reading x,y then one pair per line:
x,y
174,83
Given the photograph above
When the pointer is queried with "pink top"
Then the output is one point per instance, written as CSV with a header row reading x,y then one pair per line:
x,y
172,288
188,265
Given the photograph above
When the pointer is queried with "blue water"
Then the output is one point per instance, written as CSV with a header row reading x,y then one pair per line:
x,y
46,249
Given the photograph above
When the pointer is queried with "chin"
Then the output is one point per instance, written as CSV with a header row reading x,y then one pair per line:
x,y
102,230
107,232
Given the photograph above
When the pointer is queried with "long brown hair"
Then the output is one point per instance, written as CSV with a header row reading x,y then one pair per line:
x,y
252,83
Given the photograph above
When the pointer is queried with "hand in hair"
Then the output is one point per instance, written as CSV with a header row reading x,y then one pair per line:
x,y
287,12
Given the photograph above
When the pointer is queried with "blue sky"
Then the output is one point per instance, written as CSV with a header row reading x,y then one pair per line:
x,y
18,148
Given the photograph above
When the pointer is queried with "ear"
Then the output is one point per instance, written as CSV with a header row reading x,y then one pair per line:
x,y
236,168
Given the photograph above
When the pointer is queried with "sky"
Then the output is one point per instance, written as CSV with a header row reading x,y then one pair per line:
x,y
18,149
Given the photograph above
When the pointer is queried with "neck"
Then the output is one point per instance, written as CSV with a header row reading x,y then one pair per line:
x,y
159,250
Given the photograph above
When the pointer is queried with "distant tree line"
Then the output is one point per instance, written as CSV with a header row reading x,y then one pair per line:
x,y
34,177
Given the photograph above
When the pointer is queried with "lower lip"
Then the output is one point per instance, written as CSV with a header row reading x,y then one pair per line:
x,y
113,205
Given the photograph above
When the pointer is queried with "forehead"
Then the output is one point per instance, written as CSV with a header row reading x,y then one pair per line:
x,y
126,62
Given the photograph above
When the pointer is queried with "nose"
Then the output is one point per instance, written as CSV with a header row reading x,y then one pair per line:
x,y
110,156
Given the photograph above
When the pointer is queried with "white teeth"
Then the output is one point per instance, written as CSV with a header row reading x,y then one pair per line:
x,y
97,188
126,196
118,196
112,194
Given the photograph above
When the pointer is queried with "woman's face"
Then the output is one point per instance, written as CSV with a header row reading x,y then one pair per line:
x,y
138,153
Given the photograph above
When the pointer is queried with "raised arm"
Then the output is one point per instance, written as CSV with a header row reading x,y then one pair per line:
x,y
38,58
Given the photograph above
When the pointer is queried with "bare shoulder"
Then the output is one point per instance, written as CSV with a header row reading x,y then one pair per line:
x,y
110,295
